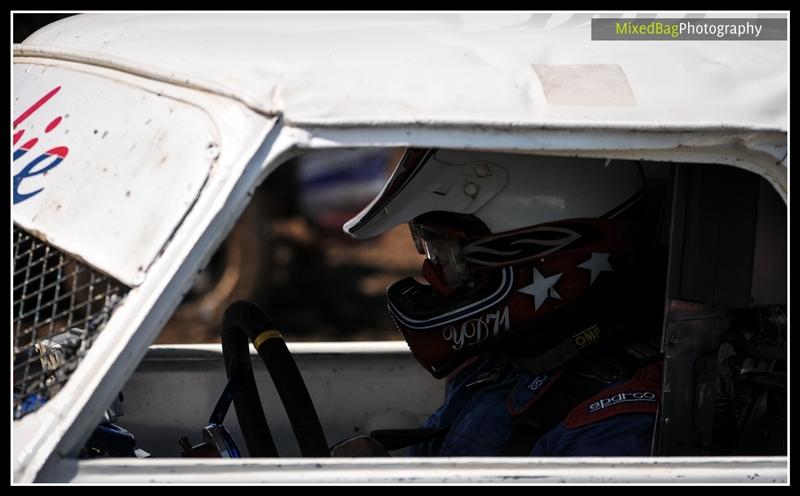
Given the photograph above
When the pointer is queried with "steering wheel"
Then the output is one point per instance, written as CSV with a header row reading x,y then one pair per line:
x,y
243,323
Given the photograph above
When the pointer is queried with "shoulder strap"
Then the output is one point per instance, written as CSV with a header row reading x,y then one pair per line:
x,y
552,408
639,394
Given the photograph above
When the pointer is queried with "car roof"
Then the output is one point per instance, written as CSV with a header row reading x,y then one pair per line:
x,y
508,69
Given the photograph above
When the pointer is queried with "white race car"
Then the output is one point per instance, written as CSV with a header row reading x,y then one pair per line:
x,y
139,139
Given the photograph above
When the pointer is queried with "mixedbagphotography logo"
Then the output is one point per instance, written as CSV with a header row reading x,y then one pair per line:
x,y
649,29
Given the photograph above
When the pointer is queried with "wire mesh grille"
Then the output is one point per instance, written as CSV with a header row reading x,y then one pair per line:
x,y
60,306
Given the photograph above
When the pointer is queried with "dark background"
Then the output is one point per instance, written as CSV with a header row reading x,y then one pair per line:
x,y
26,24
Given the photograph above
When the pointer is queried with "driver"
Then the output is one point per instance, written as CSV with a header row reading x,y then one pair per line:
x,y
540,308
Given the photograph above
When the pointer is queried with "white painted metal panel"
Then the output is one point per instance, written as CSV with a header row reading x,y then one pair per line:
x,y
521,69
62,425
113,168
476,470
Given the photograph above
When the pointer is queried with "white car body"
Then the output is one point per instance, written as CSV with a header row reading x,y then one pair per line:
x,y
171,121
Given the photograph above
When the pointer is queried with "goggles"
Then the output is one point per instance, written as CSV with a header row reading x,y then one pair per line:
x,y
444,267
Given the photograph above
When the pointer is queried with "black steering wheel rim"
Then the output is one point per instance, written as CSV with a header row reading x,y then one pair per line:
x,y
242,324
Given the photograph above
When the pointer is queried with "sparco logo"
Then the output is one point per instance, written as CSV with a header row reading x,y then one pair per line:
x,y
645,396
475,331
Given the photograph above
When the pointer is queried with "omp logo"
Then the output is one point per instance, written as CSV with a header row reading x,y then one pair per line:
x,y
43,162
643,396
587,337
474,331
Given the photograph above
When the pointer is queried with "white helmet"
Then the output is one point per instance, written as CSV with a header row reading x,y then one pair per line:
x,y
505,191
511,240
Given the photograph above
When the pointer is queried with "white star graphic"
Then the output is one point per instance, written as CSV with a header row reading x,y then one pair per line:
x,y
596,264
541,288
